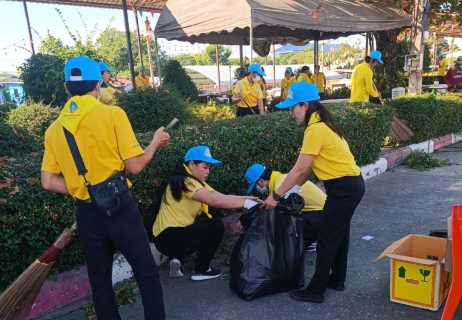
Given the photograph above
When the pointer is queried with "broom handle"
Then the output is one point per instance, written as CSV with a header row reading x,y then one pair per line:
x,y
248,105
375,88
73,227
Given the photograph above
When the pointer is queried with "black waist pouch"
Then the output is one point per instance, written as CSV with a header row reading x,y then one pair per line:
x,y
110,195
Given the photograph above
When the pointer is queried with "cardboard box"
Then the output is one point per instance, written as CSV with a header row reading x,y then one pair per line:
x,y
448,260
414,279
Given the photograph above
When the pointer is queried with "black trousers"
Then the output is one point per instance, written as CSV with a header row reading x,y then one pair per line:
x,y
311,220
99,236
343,196
204,237
241,112
441,79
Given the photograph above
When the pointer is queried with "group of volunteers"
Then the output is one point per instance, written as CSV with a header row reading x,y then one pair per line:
x,y
108,147
317,78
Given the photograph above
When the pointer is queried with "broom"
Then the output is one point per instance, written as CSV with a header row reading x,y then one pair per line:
x,y
398,131
17,299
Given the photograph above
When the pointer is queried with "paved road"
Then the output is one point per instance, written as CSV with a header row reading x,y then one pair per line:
x,y
397,203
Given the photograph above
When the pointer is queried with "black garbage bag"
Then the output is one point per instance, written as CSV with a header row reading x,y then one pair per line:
x,y
269,256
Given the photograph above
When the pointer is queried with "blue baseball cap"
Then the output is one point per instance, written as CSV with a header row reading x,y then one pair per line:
x,y
288,69
440,55
200,153
104,67
377,55
142,68
255,67
88,67
253,174
299,92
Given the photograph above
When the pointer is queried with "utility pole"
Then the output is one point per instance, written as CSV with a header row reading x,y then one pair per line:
x,y
418,40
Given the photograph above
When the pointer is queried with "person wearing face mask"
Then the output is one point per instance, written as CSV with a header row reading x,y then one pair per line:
x,y
286,82
326,153
248,94
107,92
266,180
108,146
362,84
304,75
186,196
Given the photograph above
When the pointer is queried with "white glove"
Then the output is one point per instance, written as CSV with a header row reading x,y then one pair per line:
x,y
249,203
295,189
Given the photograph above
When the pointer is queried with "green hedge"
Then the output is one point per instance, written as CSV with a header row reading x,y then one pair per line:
x,y
429,115
33,218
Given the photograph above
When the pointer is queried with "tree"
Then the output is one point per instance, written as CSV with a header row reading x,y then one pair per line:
x,y
43,79
175,75
185,59
223,53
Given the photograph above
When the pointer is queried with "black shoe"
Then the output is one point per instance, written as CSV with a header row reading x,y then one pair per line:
x,y
306,295
210,274
336,286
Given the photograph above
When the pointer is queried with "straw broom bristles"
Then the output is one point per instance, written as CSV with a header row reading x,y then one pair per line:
x,y
16,301
399,131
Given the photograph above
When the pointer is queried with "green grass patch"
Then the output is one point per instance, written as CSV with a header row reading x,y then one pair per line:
x,y
423,161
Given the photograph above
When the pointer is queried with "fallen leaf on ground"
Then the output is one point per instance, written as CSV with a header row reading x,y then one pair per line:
x,y
16,190
155,182
18,134
2,200
5,184
33,154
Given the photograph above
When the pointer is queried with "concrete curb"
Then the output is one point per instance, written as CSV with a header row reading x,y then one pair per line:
x,y
73,285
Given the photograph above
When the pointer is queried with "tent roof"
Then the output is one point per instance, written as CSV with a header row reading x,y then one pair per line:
x,y
145,5
229,21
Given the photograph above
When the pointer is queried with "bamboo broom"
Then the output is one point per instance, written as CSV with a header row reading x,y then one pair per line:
x,y
17,299
398,131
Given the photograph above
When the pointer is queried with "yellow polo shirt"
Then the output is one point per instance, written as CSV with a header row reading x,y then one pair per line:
x,y
105,139
142,81
303,77
321,79
251,93
262,85
442,67
313,196
106,95
285,84
333,158
361,84
179,213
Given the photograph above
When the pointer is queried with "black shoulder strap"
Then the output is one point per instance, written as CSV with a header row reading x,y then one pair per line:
x,y
75,153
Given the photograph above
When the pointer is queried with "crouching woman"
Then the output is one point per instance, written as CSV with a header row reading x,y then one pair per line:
x,y
186,196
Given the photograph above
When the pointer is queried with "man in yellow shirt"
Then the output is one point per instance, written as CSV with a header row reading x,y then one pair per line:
x,y
142,80
286,82
441,68
266,180
107,93
321,81
362,85
247,92
304,75
107,146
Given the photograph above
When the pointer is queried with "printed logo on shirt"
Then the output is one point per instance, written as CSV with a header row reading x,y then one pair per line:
x,y
135,146
73,107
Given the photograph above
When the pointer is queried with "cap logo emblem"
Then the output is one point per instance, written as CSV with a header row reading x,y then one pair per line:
x,y
290,95
207,153
73,107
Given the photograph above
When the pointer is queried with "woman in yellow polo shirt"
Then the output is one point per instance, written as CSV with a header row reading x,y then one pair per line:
x,y
187,195
248,94
286,82
325,153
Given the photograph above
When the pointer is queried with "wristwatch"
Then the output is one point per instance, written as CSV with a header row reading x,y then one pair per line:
x,y
276,196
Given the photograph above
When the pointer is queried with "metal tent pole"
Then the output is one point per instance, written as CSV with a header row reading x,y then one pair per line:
x,y
129,43
274,66
251,36
28,28
158,62
217,60
138,37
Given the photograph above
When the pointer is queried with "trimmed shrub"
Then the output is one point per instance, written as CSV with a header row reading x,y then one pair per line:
x,y
32,218
341,93
33,118
149,109
211,113
174,75
429,115
43,78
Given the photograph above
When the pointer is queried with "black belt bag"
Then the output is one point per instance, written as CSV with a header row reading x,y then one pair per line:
x,y
111,194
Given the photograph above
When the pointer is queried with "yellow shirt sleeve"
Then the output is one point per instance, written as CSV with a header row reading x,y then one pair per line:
x,y
259,92
369,85
127,143
105,95
49,162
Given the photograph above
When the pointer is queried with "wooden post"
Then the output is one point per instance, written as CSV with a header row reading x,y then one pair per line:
x,y
274,66
28,28
158,63
138,37
217,60
129,43
251,36
241,57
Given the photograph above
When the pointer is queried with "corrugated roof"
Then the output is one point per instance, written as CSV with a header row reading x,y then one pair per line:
x,y
145,5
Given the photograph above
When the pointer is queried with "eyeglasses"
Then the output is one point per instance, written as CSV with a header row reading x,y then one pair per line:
x,y
298,104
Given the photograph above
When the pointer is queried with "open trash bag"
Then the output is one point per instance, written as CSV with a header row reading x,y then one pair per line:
x,y
269,255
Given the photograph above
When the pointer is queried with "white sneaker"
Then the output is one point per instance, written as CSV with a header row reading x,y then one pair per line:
x,y
175,269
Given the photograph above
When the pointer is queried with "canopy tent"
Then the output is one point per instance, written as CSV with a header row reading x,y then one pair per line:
x,y
447,29
234,22
144,5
